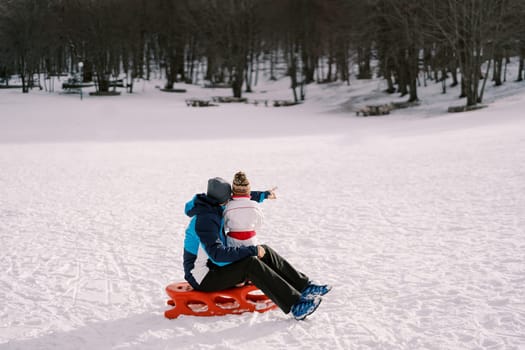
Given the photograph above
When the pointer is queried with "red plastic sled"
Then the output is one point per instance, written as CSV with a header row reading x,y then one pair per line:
x,y
186,301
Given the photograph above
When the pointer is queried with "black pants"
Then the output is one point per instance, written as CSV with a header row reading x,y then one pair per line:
x,y
272,274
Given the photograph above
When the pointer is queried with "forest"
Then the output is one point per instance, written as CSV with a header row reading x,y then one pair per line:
x,y
229,42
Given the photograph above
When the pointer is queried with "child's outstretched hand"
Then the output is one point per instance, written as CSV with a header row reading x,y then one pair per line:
x,y
272,193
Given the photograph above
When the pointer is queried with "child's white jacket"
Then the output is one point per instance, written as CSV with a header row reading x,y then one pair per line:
x,y
242,218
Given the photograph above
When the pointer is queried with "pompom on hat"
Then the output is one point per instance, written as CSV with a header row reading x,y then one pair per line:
x,y
241,184
219,189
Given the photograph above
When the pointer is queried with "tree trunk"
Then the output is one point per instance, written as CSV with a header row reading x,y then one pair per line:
x,y
273,59
413,69
237,79
249,72
87,72
498,68
328,77
180,63
248,78
363,56
480,98
25,85
190,59
390,83
342,64
23,75
454,75
403,76
237,88
171,70
413,90
444,81
292,71
210,68
521,65
103,83
308,67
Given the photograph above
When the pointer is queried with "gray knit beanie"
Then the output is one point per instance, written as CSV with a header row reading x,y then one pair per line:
x,y
219,189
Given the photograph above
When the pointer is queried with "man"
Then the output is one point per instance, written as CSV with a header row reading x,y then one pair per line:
x,y
210,265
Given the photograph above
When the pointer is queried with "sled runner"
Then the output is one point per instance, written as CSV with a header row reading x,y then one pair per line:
x,y
186,301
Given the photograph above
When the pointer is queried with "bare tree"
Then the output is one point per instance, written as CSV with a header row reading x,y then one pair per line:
x,y
23,34
472,28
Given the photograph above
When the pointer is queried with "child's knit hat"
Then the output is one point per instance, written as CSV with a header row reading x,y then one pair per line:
x,y
241,184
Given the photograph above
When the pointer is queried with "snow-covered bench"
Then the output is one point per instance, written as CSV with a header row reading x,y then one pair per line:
x,y
374,110
193,102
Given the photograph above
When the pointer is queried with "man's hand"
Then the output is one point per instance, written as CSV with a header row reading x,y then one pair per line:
x,y
260,252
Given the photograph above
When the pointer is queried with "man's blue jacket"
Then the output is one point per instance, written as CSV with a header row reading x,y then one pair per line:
x,y
205,243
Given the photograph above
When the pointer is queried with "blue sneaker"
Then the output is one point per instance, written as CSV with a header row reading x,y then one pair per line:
x,y
313,290
305,307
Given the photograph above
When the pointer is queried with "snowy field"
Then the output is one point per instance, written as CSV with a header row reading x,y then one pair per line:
x,y
416,218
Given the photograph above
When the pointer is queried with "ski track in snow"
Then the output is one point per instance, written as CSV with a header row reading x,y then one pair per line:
x,y
420,231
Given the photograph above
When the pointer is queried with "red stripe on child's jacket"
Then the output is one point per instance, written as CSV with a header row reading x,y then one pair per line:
x,y
242,236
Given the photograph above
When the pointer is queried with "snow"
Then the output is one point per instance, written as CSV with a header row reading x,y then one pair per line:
x,y
416,218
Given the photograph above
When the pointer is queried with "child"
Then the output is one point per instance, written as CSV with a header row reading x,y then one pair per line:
x,y
243,215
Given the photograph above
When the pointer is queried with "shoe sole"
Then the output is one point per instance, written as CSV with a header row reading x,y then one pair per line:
x,y
311,312
327,291
312,296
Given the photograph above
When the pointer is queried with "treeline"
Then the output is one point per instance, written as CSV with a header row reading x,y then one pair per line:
x,y
231,41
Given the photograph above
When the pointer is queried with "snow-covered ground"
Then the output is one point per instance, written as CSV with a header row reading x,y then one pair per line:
x,y
416,218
